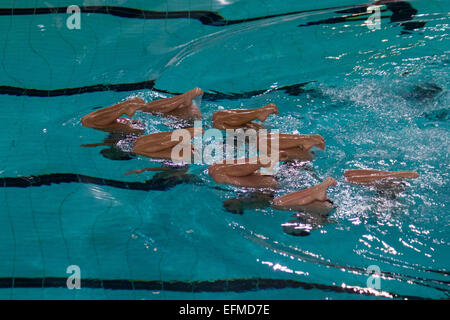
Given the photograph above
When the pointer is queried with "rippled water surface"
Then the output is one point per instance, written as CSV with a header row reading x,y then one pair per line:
x,y
378,97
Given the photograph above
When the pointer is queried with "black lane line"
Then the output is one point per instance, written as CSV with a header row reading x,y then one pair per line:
x,y
228,285
157,183
17,91
402,11
206,17
213,95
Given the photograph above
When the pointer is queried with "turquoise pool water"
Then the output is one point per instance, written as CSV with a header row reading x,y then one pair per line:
x,y
378,97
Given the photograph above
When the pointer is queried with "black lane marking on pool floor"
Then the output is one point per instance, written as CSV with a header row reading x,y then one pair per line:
x,y
17,91
229,285
204,16
154,184
210,18
213,95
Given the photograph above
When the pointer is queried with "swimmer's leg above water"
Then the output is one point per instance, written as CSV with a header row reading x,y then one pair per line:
x,y
109,119
296,146
160,145
312,197
305,141
181,106
243,175
242,118
369,176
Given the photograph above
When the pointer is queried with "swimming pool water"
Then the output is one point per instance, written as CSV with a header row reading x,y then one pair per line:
x,y
378,97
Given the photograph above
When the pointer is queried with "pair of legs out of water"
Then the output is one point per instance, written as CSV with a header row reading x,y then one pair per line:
x,y
291,147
